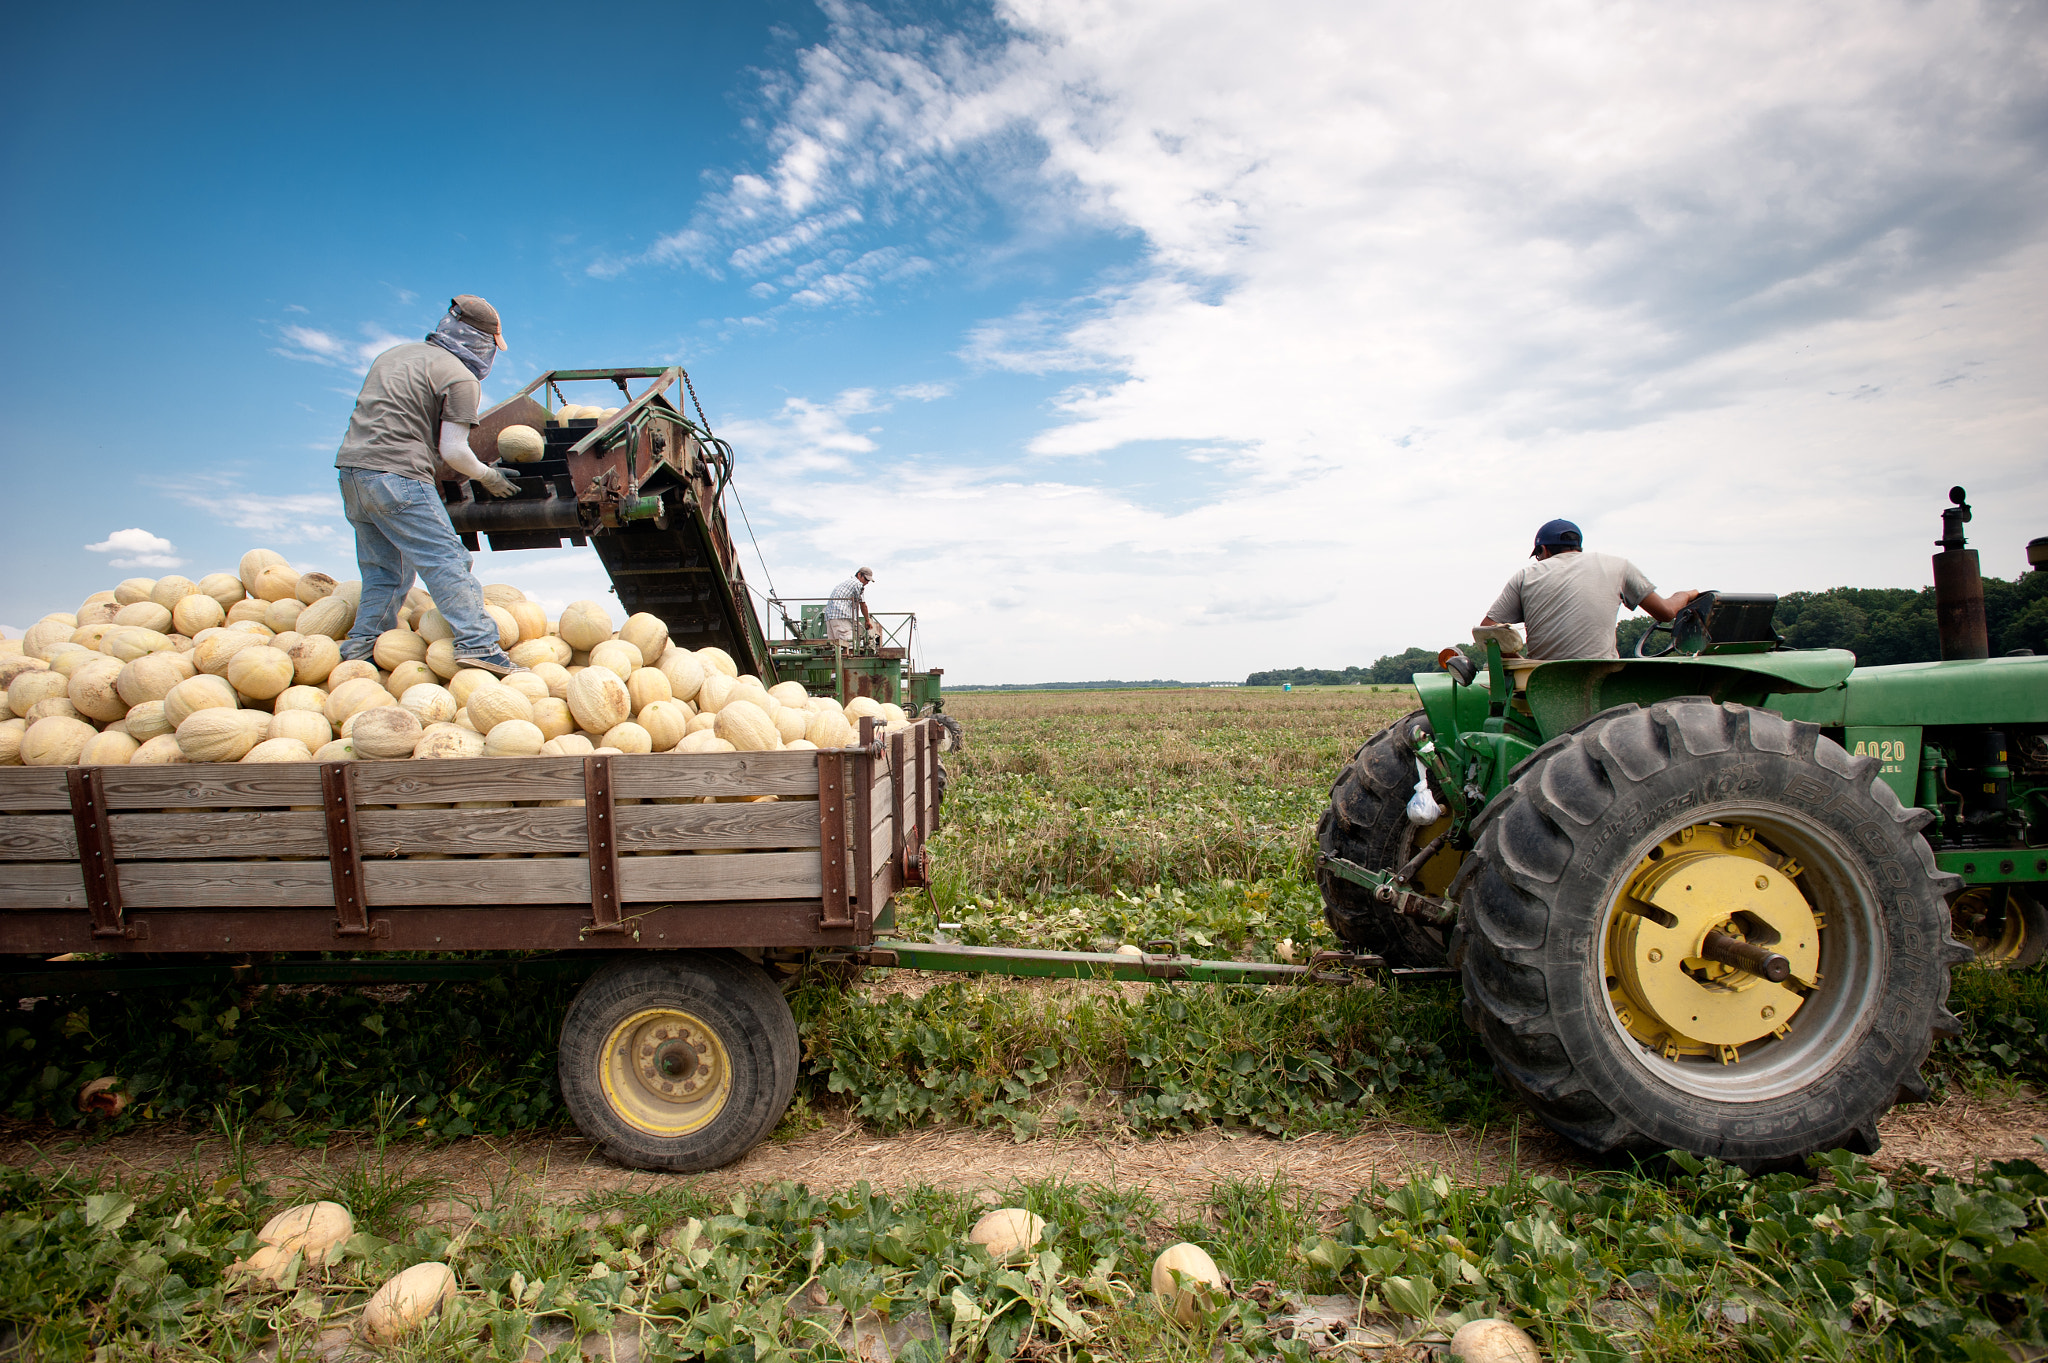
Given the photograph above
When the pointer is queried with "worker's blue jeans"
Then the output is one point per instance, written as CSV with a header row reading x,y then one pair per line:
x,y
402,529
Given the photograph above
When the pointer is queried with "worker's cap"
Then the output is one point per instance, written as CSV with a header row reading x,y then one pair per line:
x,y
1559,535
480,315
864,572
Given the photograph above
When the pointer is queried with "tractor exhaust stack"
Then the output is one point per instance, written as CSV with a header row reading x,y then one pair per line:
x,y
1959,587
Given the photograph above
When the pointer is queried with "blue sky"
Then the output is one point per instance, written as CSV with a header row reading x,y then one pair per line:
x,y
1121,339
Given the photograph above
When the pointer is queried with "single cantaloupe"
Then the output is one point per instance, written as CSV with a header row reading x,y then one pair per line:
x,y
555,675
359,693
198,693
147,614
585,624
11,731
146,721
598,699
513,738
791,724
95,690
552,717
395,646
278,582
213,656
666,721
215,734
646,686
526,684
333,615
791,693
446,741
646,632
568,745
617,655
1007,1232
542,649
432,703
224,588
314,658
629,737
404,1303
279,750
170,590
433,627
717,691
134,589
405,676
684,670
1203,1281
829,729
508,627
108,750
718,660
314,587
490,706
530,616
196,612
353,669
284,614
152,676
864,707
40,684
503,594
1493,1341
521,444
747,727
309,727
385,732
465,682
158,751
260,673
132,641
300,698
254,562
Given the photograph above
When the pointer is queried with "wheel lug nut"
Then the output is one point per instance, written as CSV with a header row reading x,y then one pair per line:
x,y
1770,1012
1763,882
1656,955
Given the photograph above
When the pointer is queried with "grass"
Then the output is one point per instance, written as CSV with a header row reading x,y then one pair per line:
x,y
1690,1263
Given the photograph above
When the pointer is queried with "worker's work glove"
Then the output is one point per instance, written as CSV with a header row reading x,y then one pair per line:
x,y
497,484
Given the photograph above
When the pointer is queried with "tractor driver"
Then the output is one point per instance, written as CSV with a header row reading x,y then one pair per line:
x,y
848,604
1567,596
418,401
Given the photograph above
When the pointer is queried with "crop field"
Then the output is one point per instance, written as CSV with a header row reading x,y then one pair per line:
x,y
1074,820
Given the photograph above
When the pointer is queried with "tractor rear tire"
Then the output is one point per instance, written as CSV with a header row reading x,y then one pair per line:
x,y
1608,1019
1367,824
678,1060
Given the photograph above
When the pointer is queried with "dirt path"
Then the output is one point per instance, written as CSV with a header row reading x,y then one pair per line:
x,y
1179,1171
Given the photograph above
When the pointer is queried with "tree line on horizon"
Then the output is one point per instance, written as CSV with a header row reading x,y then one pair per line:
x,y
1880,625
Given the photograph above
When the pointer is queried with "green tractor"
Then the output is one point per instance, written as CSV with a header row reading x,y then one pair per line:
x,y
1707,897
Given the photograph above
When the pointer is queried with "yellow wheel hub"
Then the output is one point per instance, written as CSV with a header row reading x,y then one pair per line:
x,y
1666,991
1994,926
666,1072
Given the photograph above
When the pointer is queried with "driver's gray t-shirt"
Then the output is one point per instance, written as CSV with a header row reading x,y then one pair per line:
x,y
410,390
1568,602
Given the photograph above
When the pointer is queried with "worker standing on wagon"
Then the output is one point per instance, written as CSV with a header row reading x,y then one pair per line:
x,y
848,604
1567,596
419,401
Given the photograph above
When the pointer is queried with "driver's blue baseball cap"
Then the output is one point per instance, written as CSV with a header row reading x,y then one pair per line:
x,y
1559,535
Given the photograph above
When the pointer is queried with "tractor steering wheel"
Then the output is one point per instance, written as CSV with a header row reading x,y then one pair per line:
x,y
1685,632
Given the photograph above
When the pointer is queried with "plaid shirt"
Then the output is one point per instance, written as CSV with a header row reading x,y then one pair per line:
x,y
846,600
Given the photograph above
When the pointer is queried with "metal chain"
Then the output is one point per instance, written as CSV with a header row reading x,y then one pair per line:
x,y
692,391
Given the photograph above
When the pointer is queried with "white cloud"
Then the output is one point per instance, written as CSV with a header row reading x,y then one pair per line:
x,y
1742,288
322,347
805,436
138,548
293,523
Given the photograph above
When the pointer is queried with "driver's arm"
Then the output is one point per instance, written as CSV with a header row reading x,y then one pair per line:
x,y
1664,609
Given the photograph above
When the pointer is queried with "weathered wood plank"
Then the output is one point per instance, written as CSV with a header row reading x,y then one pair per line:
x,y
681,775
526,880
213,785
402,832
753,875
38,837
57,885
26,789
653,828
445,782
226,884
224,833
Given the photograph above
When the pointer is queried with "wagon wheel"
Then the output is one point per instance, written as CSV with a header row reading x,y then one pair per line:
x,y
678,1061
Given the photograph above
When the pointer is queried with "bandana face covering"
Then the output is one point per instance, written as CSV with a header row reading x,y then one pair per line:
x,y
474,348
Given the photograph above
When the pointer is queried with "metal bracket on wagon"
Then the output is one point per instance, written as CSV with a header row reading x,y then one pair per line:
x,y
1386,888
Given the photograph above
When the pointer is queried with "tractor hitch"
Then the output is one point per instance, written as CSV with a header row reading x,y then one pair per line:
x,y
1386,887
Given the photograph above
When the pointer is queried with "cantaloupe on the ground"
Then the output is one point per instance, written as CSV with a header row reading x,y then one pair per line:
x,y
403,1304
1493,1341
1199,1287
598,699
585,624
521,444
1007,1232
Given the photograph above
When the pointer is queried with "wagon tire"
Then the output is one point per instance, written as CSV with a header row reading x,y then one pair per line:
x,y
1367,824
678,1061
1609,1020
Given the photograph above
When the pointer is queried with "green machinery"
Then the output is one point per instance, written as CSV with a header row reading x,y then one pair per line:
x,y
645,487
1707,897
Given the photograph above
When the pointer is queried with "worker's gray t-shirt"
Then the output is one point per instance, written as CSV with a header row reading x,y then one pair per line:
x,y
410,390
1568,602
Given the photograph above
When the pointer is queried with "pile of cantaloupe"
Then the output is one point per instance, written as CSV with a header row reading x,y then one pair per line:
x,y
246,667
